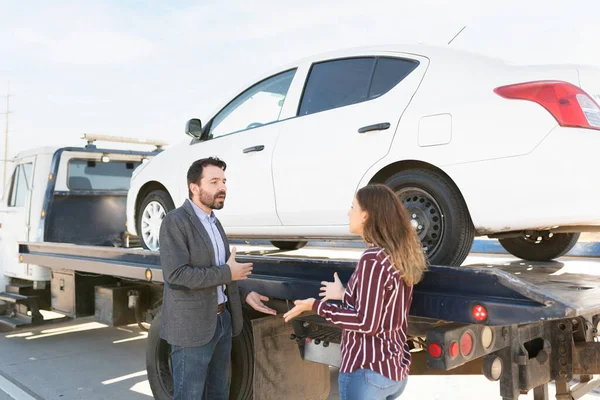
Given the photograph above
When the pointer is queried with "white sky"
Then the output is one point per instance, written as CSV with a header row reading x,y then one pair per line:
x,y
143,68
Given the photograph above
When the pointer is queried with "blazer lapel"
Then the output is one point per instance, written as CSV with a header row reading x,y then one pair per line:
x,y
200,229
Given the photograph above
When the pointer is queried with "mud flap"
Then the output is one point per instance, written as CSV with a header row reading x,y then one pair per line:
x,y
279,371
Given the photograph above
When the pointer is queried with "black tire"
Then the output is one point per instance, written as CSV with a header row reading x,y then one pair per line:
x,y
283,245
440,214
242,363
547,249
159,196
158,364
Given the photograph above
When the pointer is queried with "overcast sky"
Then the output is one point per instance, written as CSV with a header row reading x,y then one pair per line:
x,y
143,68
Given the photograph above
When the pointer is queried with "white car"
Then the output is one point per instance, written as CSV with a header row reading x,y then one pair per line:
x,y
472,145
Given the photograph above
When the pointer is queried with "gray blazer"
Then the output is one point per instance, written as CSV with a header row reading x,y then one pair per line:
x,y
189,309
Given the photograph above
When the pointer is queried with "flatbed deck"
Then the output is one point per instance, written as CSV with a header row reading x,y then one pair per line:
x,y
513,291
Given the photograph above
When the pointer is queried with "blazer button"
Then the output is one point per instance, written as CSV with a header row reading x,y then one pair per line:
x,y
214,291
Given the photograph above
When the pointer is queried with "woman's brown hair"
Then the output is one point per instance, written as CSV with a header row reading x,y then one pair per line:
x,y
388,227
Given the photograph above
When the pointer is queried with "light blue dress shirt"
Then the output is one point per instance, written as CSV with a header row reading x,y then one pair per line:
x,y
209,221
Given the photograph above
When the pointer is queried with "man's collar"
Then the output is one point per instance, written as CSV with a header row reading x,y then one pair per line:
x,y
201,213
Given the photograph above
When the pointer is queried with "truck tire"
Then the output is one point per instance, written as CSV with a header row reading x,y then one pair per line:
x,y
158,363
283,245
152,211
531,249
242,363
438,212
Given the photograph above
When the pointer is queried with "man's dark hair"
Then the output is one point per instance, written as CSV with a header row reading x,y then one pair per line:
x,y
195,172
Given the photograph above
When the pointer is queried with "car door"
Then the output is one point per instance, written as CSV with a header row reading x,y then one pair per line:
x,y
346,120
15,217
243,134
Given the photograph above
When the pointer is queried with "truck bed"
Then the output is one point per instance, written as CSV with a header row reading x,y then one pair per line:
x,y
512,291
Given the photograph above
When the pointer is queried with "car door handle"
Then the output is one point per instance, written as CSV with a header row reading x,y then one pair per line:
x,y
375,127
254,148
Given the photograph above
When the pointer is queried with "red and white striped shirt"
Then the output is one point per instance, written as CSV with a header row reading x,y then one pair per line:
x,y
373,317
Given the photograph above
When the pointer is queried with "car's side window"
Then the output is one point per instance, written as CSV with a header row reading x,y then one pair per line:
x,y
339,83
388,73
259,105
21,182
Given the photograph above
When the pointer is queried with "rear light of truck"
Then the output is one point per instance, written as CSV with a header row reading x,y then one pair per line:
x,y
487,337
479,313
568,104
452,345
435,350
466,344
454,349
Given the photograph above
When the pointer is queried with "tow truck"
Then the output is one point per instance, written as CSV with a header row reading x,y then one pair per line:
x,y
522,324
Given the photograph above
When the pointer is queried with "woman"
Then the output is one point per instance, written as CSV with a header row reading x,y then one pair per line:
x,y
375,304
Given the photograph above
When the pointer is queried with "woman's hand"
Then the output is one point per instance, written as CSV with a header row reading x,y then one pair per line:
x,y
332,290
300,306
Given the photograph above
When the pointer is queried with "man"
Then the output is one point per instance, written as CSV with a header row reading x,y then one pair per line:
x,y
202,304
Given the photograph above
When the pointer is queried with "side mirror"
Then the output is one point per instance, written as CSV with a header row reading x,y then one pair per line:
x,y
193,128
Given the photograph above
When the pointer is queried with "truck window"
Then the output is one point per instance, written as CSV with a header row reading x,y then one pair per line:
x,y
96,175
19,188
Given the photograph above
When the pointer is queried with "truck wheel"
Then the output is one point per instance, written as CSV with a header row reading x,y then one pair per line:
x,y
283,245
242,363
158,363
542,247
153,210
438,213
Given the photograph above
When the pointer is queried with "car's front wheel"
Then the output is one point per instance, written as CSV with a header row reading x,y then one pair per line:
x,y
437,212
540,246
152,211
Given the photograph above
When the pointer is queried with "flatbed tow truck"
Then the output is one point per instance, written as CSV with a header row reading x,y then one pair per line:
x,y
520,323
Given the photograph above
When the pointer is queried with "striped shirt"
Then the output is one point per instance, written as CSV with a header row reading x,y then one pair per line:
x,y
373,317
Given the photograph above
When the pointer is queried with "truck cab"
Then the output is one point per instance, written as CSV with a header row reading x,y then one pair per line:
x,y
69,195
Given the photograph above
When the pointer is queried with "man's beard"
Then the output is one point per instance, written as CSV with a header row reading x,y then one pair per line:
x,y
214,202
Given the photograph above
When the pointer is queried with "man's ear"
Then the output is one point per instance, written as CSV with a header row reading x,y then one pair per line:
x,y
194,188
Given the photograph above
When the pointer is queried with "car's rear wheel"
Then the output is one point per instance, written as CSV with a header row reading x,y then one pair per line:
x,y
283,245
540,246
438,213
152,211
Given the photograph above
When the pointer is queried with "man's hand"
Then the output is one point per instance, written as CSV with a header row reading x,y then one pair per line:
x,y
332,290
238,271
255,301
300,307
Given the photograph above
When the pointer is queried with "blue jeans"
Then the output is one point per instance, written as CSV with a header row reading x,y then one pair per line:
x,y
366,384
203,372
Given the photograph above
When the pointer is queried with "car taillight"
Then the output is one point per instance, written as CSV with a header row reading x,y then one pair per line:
x,y
568,104
466,344
479,313
435,350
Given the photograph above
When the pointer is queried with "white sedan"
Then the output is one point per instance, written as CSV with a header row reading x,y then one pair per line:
x,y
472,145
